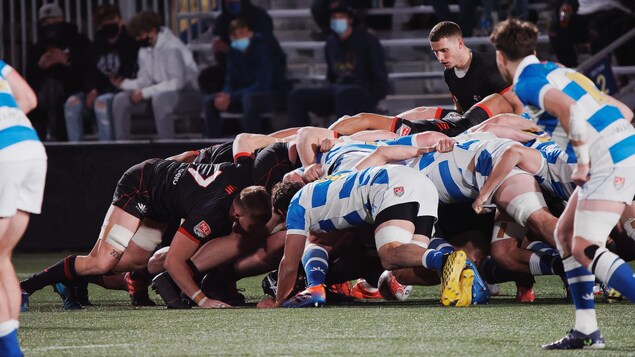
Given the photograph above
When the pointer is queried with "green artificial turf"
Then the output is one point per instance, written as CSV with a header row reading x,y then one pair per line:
x,y
419,326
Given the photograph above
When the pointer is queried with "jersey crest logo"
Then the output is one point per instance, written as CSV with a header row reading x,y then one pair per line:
x,y
618,182
398,191
404,130
202,230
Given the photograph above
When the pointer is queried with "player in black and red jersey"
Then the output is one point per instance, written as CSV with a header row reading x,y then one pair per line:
x,y
213,200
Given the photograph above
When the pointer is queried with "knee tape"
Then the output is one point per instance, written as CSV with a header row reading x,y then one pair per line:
x,y
391,234
629,229
521,207
594,226
147,238
118,237
507,230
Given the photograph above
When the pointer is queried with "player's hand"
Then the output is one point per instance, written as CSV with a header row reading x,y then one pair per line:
x,y
313,172
136,96
267,303
218,45
116,81
445,145
425,150
580,174
477,205
327,144
214,304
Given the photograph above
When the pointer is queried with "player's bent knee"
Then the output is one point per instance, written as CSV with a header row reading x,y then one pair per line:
x,y
392,234
147,238
117,236
594,226
522,206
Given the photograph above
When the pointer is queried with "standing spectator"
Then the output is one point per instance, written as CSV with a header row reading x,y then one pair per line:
x,y
252,84
470,75
114,55
258,20
598,22
22,176
166,79
356,73
55,67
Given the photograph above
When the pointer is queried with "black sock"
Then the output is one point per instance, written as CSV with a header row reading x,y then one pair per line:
x,y
196,274
141,274
493,273
60,272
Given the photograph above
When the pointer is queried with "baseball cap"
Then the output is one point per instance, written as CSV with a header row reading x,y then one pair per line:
x,y
49,10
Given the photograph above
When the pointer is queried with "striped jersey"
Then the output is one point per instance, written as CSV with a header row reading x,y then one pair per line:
x,y
554,175
532,81
18,139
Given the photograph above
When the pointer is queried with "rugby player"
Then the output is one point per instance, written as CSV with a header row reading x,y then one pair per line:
x,y
597,127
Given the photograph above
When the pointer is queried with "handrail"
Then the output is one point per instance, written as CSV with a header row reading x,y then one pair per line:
x,y
605,51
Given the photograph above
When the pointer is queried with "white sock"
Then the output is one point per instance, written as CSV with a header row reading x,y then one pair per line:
x,y
585,321
7,327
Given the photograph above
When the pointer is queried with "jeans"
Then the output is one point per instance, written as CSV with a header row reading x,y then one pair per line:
x,y
76,112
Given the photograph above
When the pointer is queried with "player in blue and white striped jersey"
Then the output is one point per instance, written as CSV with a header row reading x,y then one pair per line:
x,y
401,204
22,176
600,134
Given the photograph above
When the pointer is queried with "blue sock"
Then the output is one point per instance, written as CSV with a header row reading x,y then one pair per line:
x,y
543,263
581,283
9,344
316,264
433,259
542,247
613,271
493,273
441,245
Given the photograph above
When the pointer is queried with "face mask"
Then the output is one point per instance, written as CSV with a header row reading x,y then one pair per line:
x,y
233,7
339,26
108,31
241,44
146,42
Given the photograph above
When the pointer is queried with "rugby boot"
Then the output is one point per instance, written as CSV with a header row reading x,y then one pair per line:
x,y
450,275
81,294
341,288
391,289
67,293
575,340
163,285
466,281
480,290
312,296
24,306
610,295
138,290
493,289
362,290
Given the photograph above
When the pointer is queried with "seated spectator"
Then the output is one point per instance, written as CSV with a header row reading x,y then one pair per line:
x,y
166,79
253,83
356,73
596,22
114,54
55,67
320,11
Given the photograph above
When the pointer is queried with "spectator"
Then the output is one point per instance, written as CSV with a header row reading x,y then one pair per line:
x,y
597,22
320,10
253,83
467,17
55,67
114,54
258,20
166,79
356,73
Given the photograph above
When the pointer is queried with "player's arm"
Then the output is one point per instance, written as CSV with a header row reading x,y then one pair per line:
x,y
288,269
248,143
457,105
22,92
510,120
284,133
527,159
572,119
386,154
372,135
187,156
420,113
308,142
182,249
428,138
264,259
514,101
349,125
626,111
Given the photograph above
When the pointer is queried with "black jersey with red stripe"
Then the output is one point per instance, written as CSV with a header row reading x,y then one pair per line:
x,y
201,194
481,80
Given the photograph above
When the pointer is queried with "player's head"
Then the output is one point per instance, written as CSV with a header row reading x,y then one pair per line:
x,y
514,40
251,210
446,41
144,28
282,194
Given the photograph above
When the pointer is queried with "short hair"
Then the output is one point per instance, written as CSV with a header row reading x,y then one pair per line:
x,y
282,193
444,29
238,23
516,39
144,21
105,12
256,201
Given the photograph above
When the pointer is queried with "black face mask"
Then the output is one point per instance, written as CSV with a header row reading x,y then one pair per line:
x,y
108,31
146,42
54,34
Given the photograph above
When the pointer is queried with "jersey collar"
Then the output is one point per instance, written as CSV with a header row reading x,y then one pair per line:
x,y
531,59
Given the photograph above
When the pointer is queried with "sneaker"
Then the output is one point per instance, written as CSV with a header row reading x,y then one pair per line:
x,y
312,296
138,291
341,288
81,294
451,273
390,289
466,281
610,295
480,290
163,285
67,294
575,340
362,290
525,294
494,289
24,306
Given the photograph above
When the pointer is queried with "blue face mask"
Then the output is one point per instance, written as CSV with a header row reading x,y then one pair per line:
x,y
241,44
233,7
339,26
